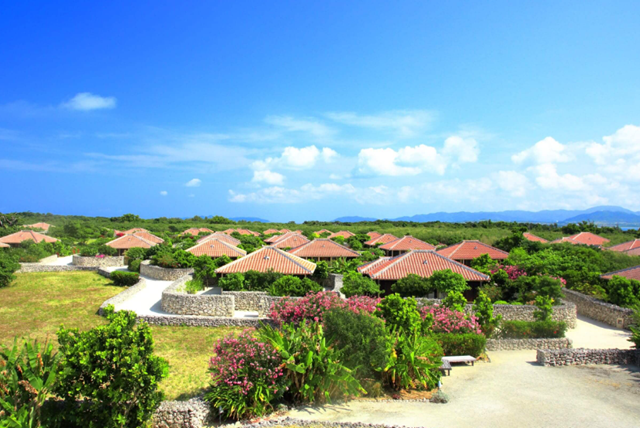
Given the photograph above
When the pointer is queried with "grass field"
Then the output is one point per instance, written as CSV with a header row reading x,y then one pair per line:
x,y
36,304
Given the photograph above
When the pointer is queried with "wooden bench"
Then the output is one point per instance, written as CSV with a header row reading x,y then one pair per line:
x,y
459,359
445,368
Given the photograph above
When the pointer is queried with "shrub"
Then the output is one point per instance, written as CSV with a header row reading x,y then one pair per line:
x,y
260,281
414,362
184,258
124,278
246,376
193,286
400,313
461,344
232,282
446,281
355,283
532,329
311,365
88,251
107,250
623,291
544,305
8,266
134,265
362,339
292,286
492,291
26,380
136,253
322,271
455,301
412,285
204,270
483,309
483,263
447,320
165,260
113,369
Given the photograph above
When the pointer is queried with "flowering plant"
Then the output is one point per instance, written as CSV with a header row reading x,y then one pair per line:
x,y
246,376
446,320
100,256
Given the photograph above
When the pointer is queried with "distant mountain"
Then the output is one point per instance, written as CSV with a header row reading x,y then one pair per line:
x,y
256,219
354,219
607,218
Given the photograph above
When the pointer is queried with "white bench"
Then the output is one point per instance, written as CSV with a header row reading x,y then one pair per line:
x,y
460,359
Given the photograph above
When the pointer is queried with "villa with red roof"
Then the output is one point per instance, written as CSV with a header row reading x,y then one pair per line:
x,y
404,244
324,249
15,239
44,226
629,273
284,231
382,239
123,243
149,237
270,231
533,238
196,231
320,232
3,245
584,238
466,251
130,231
626,246
270,259
290,240
241,232
215,248
374,235
274,238
388,270
221,236
344,233
633,252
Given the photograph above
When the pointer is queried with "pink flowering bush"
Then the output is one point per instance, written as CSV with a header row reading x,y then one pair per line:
x,y
100,256
446,320
313,306
246,376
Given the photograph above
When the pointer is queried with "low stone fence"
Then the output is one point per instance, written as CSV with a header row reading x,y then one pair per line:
x,y
246,300
582,356
182,414
107,261
181,303
37,267
203,321
598,310
123,296
333,282
162,274
565,312
532,344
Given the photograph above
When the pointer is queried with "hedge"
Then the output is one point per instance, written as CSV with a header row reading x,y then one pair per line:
x,y
124,278
531,329
461,344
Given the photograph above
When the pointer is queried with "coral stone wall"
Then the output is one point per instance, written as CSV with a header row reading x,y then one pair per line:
x,y
37,267
181,303
182,414
162,274
532,344
107,261
246,300
582,356
600,311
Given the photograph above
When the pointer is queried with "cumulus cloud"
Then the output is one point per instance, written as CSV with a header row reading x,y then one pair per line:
x,y
461,150
266,176
164,193
513,182
406,161
86,101
296,158
406,123
195,182
544,151
624,144
292,124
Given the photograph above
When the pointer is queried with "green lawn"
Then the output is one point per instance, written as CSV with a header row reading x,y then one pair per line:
x,y
36,304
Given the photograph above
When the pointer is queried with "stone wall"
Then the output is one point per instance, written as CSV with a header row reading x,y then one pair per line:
x,y
246,300
582,356
532,344
180,303
598,310
124,295
37,267
48,260
182,414
162,274
107,261
203,321
333,282
566,312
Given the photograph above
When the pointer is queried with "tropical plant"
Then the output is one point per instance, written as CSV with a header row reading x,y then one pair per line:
x,y
623,291
455,300
400,313
356,284
483,309
446,281
446,320
313,306
412,285
322,271
414,362
232,282
292,286
193,286
532,329
8,266
544,305
461,344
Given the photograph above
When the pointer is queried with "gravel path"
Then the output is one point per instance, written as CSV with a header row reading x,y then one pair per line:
x,y
62,261
594,334
147,301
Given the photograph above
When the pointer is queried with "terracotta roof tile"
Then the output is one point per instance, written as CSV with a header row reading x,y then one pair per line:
x,y
633,252
564,239
384,239
422,263
588,238
533,238
270,231
344,233
130,241
630,273
149,237
365,268
270,258
320,232
323,248
215,248
134,230
41,225
196,231
241,232
626,246
468,250
290,240
275,238
221,236
406,243
26,235
3,245
284,231
374,235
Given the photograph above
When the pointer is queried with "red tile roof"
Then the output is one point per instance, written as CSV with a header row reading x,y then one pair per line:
x,y
196,231
630,273
323,248
270,258
270,231
290,240
468,250
384,239
588,238
284,231
241,232
533,238
344,233
41,225
564,239
320,232
626,246
149,237
634,252
221,236
130,231
407,243
365,268
216,248
3,245
130,241
374,235
26,235
275,238
422,263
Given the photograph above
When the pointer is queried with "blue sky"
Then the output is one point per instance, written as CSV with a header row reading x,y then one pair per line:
x,y
314,110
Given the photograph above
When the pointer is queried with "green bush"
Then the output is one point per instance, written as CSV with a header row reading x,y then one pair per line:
x,y
461,344
107,250
165,260
260,281
412,285
483,310
455,301
134,265
109,376
623,291
193,286
414,362
356,284
544,311
232,282
204,270
322,271
532,329
400,313
362,339
88,251
184,258
8,266
292,286
124,278
446,281
136,253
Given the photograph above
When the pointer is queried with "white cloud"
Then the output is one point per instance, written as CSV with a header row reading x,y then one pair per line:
x,y
195,182
619,147
461,150
406,161
164,193
328,155
513,182
406,123
296,158
544,151
266,176
86,101
292,124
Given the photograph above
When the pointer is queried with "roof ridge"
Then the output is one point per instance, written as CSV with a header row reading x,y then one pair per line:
x,y
287,255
